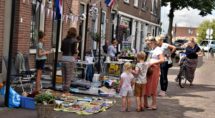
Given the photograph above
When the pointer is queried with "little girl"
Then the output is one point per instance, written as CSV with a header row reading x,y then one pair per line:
x,y
41,57
125,86
140,80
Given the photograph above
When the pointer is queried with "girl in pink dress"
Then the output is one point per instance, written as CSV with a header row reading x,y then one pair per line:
x,y
125,86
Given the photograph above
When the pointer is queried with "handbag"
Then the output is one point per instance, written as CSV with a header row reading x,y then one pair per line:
x,y
149,72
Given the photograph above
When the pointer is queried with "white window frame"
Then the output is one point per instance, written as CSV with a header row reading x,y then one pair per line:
x,y
154,6
126,1
83,31
95,30
136,3
103,29
144,2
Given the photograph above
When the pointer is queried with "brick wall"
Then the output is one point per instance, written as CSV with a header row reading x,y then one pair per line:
x,y
48,29
184,31
89,25
2,3
138,11
22,27
66,10
76,11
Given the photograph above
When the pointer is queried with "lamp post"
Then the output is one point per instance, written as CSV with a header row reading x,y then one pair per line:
x,y
13,10
58,18
100,23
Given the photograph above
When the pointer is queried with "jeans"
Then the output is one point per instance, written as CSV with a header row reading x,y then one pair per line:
x,y
89,73
163,77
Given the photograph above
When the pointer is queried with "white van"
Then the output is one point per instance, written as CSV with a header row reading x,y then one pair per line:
x,y
207,45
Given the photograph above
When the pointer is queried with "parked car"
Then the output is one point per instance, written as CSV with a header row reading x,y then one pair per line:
x,y
179,43
207,45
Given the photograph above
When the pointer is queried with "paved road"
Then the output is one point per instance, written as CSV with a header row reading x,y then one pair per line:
x,y
197,101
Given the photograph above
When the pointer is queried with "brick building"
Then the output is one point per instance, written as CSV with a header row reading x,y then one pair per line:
x,y
30,17
134,19
127,20
2,2
184,32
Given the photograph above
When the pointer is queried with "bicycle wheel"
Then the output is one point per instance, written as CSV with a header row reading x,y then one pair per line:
x,y
182,82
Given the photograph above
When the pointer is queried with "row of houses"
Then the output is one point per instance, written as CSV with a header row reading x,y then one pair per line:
x,y
129,21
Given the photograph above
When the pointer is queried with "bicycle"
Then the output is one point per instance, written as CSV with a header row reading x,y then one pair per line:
x,y
181,77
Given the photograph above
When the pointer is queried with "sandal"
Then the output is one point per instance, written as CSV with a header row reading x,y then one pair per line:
x,y
128,110
138,109
152,108
142,108
146,106
123,110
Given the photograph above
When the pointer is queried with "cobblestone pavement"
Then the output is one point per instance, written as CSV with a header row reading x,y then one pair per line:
x,y
197,101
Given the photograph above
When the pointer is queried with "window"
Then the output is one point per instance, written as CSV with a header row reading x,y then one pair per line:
x,y
126,1
213,42
54,28
35,23
144,4
154,6
103,27
141,36
136,3
204,43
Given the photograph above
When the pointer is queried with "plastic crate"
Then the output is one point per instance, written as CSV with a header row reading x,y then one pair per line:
x,y
27,103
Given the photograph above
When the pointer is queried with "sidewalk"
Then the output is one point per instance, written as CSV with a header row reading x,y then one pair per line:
x,y
190,102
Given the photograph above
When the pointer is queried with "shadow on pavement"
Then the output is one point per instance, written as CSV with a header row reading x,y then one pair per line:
x,y
167,108
175,69
175,90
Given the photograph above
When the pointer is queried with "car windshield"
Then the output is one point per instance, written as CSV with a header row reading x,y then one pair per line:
x,y
180,41
204,43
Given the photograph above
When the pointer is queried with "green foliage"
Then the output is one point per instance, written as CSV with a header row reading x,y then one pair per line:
x,y
95,36
201,31
45,98
204,6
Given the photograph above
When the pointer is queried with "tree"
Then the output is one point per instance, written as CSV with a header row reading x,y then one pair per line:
x,y
204,6
201,31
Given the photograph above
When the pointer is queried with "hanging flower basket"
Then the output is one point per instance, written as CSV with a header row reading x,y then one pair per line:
x,y
95,36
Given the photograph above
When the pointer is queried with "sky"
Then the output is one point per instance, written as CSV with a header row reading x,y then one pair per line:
x,y
185,17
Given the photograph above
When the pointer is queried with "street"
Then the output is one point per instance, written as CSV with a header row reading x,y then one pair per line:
x,y
189,102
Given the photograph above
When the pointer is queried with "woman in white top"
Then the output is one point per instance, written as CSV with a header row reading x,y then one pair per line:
x,y
155,58
167,51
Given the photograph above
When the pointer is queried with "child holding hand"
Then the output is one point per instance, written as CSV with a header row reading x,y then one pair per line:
x,y
140,80
125,86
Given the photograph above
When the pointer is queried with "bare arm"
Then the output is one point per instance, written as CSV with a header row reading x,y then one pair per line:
x,y
120,83
172,48
136,71
42,53
161,60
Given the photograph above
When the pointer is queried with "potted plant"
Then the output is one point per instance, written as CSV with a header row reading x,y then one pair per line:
x,y
45,103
